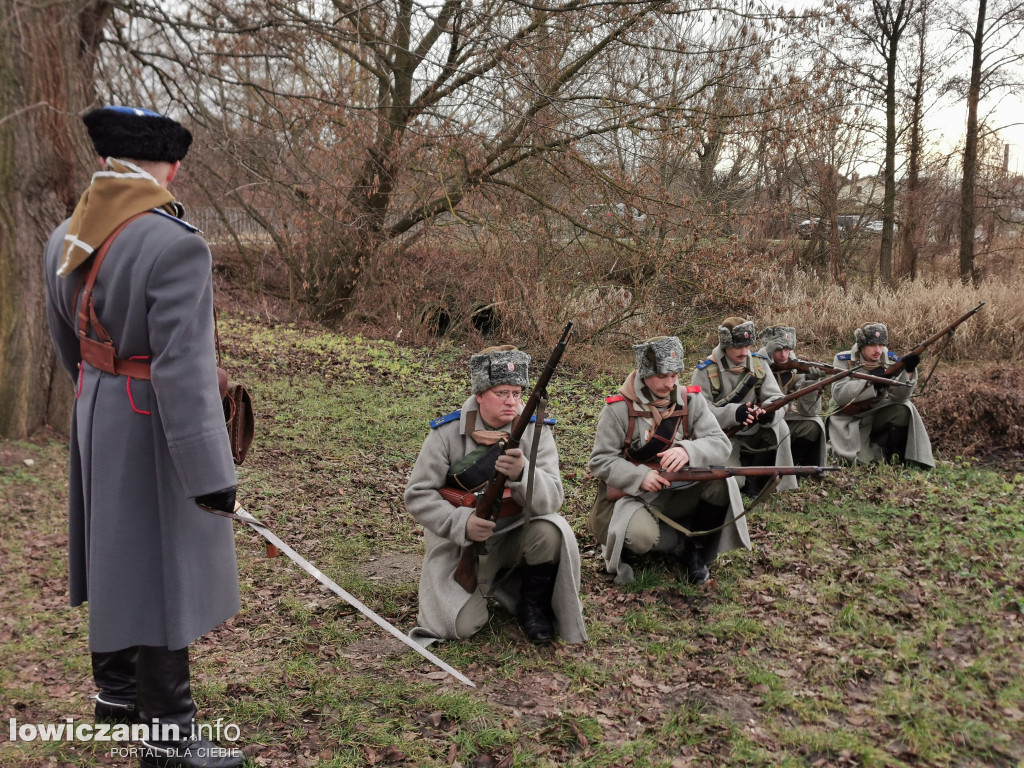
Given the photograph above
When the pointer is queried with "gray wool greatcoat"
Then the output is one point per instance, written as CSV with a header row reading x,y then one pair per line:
x,y
707,445
444,531
850,436
155,569
726,414
804,411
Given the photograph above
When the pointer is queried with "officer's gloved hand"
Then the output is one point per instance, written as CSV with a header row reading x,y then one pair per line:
x,y
219,501
910,362
765,417
743,413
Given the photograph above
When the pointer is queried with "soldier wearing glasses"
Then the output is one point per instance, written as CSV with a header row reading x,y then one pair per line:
x,y
530,562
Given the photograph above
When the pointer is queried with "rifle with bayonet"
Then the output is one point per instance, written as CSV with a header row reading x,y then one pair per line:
x,y
805,366
782,402
488,504
896,367
681,478
860,406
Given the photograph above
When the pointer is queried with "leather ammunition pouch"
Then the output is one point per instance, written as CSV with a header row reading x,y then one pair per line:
x,y
460,498
858,407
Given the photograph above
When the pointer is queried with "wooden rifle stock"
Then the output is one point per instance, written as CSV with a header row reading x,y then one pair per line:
x,y
805,366
896,367
784,401
489,503
701,474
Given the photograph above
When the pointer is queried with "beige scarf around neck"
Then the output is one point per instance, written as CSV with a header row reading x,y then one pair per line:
x,y
658,410
115,194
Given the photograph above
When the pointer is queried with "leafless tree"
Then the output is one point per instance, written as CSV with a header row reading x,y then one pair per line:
x,y
994,34
47,54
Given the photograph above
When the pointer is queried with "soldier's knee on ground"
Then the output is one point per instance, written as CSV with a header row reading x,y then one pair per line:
x,y
642,532
472,617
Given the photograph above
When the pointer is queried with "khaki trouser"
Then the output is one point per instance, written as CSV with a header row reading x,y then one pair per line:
x,y
644,532
539,542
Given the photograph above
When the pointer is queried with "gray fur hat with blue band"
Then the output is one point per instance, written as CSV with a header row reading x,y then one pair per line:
x,y
871,333
743,335
499,365
657,356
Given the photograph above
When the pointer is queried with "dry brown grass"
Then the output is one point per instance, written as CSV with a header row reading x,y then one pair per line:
x,y
475,286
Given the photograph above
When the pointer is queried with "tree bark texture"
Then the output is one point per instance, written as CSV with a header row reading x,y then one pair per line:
x,y
46,64
968,273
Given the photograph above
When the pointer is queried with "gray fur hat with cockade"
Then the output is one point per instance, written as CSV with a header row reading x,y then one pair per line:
x,y
871,333
657,356
778,337
499,365
742,335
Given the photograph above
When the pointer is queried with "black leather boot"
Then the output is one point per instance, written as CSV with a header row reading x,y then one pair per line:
x,y
693,558
165,696
805,453
895,443
114,674
534,612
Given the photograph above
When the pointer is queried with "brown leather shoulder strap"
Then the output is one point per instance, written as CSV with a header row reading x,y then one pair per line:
x,y
101,354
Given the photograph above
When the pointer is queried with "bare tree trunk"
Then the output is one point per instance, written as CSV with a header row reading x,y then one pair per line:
x,y
889,197
968,272
46,63
913,218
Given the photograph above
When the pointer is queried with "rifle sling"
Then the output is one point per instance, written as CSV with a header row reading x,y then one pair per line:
x,y
768,490
739,392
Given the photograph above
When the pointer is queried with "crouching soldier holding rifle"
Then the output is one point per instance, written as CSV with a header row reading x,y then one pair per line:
x,y
524,551
877,421
655,419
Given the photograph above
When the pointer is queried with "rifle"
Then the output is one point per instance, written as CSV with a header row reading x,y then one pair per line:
x,y
688,475
782,402
805,366
896,367
488,504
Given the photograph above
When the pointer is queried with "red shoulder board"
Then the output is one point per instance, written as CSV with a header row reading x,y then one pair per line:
x,y
693,389
614,399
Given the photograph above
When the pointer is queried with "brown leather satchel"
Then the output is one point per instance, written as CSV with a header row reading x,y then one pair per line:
x,y
239,416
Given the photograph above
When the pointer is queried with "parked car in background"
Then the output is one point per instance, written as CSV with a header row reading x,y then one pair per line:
x,y
807,226
846,223
616,219
875,227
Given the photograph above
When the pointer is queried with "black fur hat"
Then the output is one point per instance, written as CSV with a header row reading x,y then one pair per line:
x,y
137,134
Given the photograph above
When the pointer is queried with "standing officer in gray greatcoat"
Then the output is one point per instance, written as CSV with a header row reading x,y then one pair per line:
x,y
737,383
806,429
875,422
530,563
148,440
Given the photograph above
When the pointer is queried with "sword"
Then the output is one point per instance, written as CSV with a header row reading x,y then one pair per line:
x,y
312,570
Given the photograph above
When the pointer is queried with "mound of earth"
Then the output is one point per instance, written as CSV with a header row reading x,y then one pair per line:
x,y
976,411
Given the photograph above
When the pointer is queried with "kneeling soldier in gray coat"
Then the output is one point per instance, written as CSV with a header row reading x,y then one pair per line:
x,y
654,420
874,422
147,433
531,563
737,383
806,428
